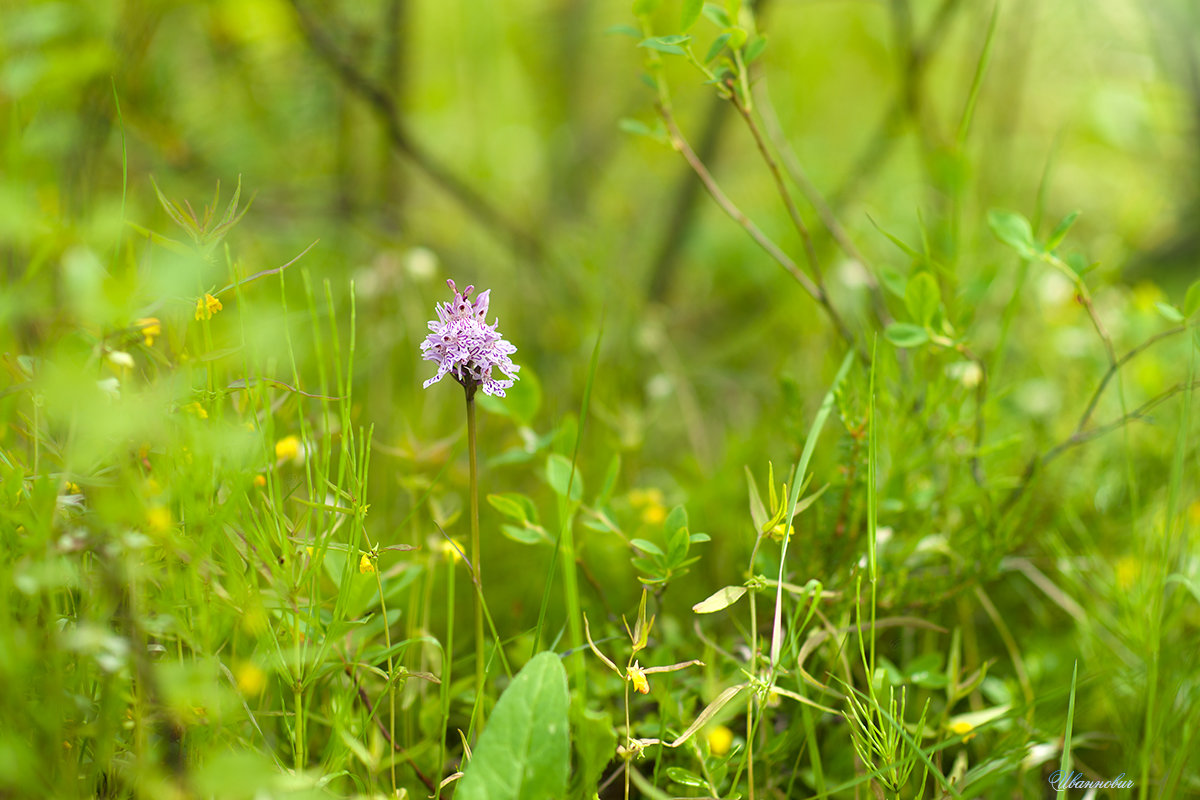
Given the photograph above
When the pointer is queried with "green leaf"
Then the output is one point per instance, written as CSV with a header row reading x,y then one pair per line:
x,y
514,505
720,599
594,737
610,481
717,16
1170,312
666,44
526,534
1014,230
922,297
698,538
685,778
755,49
1191,302
1060,231
639,128
647,547
558,475
524,752
675,520
903,334
623,30
691,13
717,46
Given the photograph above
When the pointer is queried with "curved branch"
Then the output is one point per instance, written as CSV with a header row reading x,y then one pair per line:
x,y
385,108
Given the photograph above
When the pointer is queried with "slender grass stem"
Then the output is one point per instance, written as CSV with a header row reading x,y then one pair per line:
x,y
475,561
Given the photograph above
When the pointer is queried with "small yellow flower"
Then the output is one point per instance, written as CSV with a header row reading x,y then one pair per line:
x,y
779,532
720,739
288,448
964,729
196,410
73,488
260,481
452,550
207,306
637,677
150,328
651,504
250,678
1127,568
365,565
158,519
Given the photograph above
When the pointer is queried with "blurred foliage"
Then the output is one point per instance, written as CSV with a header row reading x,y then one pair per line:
x,y
214,429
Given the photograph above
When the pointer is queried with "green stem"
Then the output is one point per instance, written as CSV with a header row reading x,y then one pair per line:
x,y
475,565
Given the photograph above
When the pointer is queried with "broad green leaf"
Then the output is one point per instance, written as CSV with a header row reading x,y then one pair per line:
x,y
716,15
558,475
666,44
623,30
922,297
1191,303
647,546
524,752
1169,312
514,505
594,737
720,599
903,334
685,778
1060,231
526,534
675,520
1014,230
639,128
691,13
717,46
755,49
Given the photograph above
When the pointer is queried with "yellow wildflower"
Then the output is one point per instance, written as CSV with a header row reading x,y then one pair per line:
x,y
250,678
197,410
651,504
452,550
637,676
158,519
1127,568
207,306
260,481
73,488
963,728
720,739
150,328
289,448
365,565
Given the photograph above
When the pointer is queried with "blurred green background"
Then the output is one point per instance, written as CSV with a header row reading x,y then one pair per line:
x,y
424,139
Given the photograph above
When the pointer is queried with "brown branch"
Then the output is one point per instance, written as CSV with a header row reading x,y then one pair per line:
x,y
1081,437
385,108
760,238
884,139
813,195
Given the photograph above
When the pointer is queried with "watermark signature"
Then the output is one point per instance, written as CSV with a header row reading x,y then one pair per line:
x,y
1060,780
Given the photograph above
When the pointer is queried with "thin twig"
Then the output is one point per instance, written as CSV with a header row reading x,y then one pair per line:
x,y
385,108
1081,437
766,109
763,241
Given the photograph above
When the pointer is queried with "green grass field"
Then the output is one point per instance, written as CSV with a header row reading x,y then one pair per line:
x,y
848,448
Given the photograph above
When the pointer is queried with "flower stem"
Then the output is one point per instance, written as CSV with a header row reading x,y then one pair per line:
x,y
475,565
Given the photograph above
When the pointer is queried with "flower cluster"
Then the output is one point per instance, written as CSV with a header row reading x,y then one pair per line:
x,y
464,345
